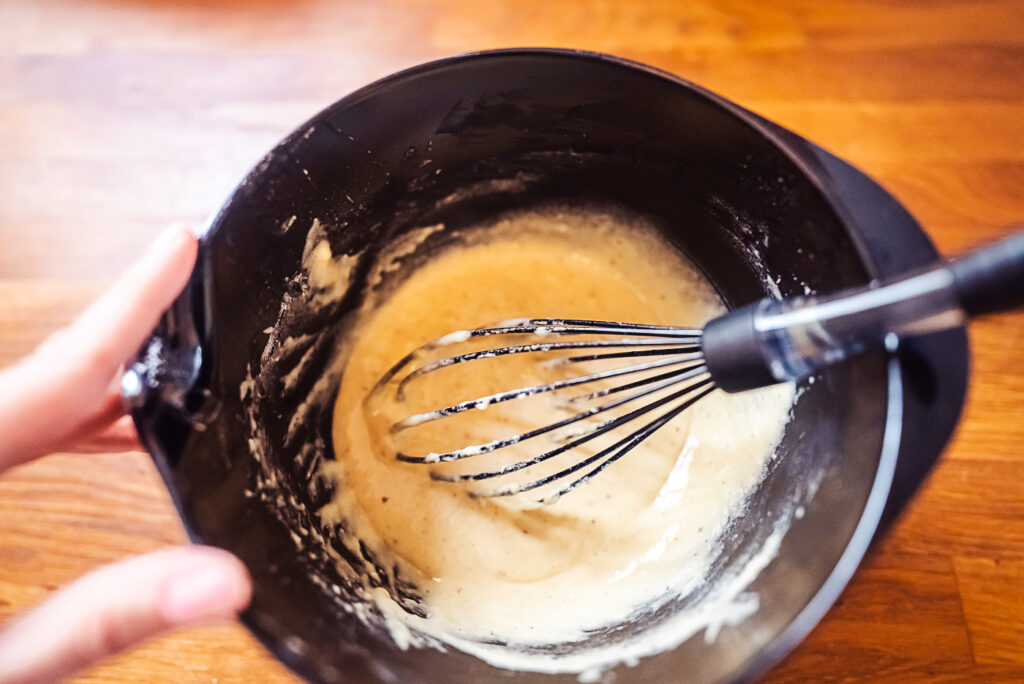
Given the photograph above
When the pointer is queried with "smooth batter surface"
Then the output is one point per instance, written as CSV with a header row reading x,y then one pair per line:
x,y
505,569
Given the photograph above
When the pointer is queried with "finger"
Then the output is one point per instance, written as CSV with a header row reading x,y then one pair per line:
x,y
114,326
62,391
107,428
120,605
114,436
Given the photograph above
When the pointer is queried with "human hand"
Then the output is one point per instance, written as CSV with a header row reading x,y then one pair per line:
x,y
68,391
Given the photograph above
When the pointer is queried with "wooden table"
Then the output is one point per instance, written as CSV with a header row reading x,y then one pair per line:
x,y
119,116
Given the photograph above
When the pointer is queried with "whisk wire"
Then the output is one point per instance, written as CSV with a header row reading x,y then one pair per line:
x,y
690,349
524,392
670,379
634,439
583,438
680,374
549,347
577,326
546,326
617,451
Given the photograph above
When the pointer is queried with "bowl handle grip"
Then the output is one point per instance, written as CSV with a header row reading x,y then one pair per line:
x,y
159,385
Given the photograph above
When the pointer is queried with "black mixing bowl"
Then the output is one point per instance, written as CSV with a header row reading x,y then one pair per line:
x,y
460,139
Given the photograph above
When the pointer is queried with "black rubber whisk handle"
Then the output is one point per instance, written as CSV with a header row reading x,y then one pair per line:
x,y
991,279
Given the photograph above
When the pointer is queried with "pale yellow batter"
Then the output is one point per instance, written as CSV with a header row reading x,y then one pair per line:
x,y
504,569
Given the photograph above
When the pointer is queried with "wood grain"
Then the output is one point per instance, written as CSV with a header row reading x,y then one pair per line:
x,y
119,116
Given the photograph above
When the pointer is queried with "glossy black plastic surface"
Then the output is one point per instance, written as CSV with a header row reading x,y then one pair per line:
x,y
745,199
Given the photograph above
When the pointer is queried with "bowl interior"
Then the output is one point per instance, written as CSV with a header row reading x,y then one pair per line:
x,y
454,142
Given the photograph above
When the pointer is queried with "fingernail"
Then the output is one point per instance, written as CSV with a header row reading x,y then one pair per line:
x,y
201,592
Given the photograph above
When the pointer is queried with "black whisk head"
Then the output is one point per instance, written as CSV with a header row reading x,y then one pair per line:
x,y
636,379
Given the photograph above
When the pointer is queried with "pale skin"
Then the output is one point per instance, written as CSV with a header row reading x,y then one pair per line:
x,y
119,605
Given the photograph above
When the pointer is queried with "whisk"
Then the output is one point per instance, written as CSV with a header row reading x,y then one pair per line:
x,y
647,375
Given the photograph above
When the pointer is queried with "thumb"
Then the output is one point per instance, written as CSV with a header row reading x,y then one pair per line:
x,y
118,606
